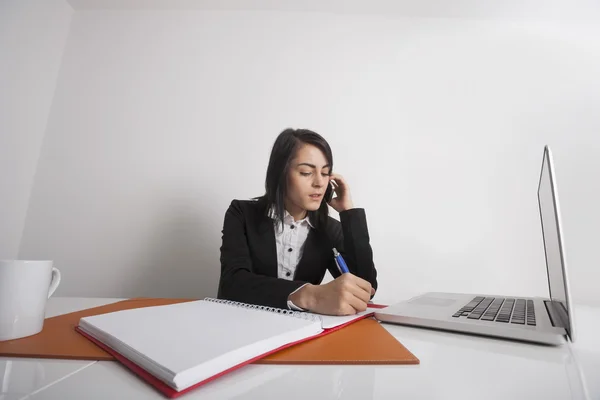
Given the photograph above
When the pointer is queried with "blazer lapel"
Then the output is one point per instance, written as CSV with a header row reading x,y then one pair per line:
x,y
305,271
268,252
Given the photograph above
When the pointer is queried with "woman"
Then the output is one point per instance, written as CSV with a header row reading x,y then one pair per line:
x,y
276,248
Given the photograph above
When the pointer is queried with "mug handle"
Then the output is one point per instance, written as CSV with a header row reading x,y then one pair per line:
x,y
55,281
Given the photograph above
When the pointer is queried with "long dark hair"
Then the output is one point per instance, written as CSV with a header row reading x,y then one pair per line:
x,y
284,150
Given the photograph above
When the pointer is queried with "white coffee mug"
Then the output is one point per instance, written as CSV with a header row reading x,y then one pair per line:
x,y
25,286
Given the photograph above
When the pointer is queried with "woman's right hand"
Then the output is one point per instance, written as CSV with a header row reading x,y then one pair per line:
x,y
346,295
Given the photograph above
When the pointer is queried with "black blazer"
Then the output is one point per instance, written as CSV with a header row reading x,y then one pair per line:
x,y
249,254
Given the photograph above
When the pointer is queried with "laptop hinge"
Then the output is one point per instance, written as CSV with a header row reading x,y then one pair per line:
x,y
558,314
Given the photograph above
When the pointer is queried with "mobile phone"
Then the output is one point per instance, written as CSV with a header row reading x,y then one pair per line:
x,y
329,192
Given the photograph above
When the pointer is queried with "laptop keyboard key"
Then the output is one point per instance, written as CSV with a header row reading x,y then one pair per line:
x,y
530,313
516,311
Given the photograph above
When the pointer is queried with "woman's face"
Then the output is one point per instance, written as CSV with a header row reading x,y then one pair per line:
x,y
308,178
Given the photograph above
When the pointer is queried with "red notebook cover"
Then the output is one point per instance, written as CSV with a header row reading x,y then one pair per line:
x,y
172,393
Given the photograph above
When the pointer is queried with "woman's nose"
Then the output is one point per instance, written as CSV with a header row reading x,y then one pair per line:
x,y
320,180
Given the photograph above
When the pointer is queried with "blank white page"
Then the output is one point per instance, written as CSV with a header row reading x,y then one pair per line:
x,y
184,335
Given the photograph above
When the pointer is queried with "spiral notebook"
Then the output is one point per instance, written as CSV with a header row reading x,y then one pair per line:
x,y
179,347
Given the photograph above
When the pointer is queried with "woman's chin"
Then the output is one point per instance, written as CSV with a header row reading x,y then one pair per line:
x,y
314,206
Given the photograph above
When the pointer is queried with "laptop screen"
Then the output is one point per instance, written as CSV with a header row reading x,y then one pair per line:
x,y
553,243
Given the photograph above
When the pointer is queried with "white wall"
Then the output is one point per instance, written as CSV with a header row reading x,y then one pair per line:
x,y
162,117
32,39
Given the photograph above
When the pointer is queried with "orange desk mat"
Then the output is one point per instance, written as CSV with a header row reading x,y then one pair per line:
x,y
363,342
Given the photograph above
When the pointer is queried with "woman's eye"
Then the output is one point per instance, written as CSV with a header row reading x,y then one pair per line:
x,y
305,173
325,175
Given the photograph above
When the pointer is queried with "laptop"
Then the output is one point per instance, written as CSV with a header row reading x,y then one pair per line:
x,y
531,319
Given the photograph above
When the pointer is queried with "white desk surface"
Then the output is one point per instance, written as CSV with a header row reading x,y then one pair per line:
x,y
453,366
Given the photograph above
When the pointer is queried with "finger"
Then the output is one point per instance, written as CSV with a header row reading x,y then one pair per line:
x,y
360,293
337,179
363,284
357,303
350,285
347,309
339,184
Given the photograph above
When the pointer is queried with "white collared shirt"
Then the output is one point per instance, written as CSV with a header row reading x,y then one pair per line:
x,y
290,239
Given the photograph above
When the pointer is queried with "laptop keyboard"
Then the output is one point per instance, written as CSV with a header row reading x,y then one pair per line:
x,y
506,310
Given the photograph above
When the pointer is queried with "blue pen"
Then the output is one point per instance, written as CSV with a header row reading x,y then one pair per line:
x,y
339,261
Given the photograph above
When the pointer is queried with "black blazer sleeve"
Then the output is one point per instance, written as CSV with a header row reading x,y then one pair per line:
x,y
350,237
239,281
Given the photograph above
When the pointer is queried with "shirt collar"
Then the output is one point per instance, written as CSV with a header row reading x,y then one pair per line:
x,y
287,217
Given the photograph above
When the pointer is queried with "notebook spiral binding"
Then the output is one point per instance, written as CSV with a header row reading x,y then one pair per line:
x,y
291,313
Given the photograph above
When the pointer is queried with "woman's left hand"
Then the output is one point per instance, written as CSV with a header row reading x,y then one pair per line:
x,y
343,200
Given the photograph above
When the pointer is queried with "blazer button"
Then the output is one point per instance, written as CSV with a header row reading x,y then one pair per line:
x,y
288,273
290,249
292,226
